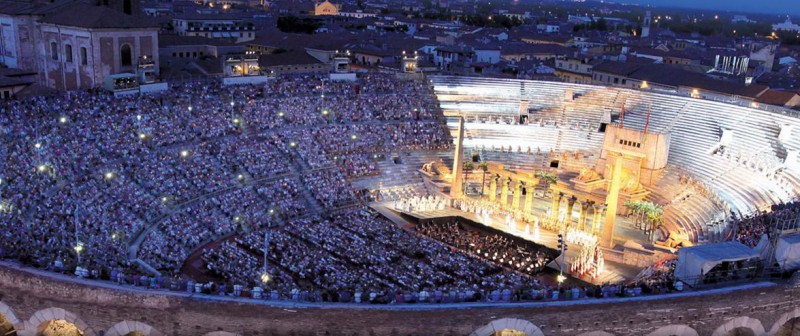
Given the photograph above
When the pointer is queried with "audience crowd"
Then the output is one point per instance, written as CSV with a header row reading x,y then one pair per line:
x,y
749,229
97,181
94,184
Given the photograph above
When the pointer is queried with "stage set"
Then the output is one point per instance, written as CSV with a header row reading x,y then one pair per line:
x,y
586,210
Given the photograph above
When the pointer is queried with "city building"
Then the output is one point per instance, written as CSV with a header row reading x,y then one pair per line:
x,y
235,27
326,8
72,44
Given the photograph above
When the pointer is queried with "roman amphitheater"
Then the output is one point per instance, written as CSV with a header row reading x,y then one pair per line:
x,y
399,206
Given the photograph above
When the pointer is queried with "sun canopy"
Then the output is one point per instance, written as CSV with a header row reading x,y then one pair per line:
x,y
787,252
696,261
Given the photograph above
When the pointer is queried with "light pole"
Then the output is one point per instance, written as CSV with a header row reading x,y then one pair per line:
x,y
265,276
78,245
562,245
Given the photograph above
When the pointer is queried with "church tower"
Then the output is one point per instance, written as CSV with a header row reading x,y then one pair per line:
x,y
646,25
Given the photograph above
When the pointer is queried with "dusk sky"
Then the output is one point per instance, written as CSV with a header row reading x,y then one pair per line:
x,y
782,7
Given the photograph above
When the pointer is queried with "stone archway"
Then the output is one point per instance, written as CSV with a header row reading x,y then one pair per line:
x,y
741,331
58,327
790,318
739,326
7,319
132,328
674,330
597,333
508,324
789,328
41,320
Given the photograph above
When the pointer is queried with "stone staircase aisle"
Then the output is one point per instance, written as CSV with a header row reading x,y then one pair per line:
x,y
302,168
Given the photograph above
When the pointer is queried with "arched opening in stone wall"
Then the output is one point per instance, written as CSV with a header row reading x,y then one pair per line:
x,y
789,328
7,320
58,327
508,327
6,327
132,328
674,330
509,332
741,331
221,333
740,326
55,321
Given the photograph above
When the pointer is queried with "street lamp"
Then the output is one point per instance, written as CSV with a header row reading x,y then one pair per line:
x,y
78,250
78,244
265,275
562,245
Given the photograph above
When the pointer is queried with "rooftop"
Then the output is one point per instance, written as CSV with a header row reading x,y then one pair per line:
x,y
96,17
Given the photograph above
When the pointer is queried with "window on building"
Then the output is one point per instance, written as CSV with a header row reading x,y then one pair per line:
x,y
126,55
126,7
84,57
54,50
68,53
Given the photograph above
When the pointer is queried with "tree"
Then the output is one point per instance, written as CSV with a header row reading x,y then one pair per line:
x,y
483,166
647,215
468,167
545,176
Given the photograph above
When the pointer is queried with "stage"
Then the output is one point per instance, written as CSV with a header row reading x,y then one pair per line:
x,y
613,272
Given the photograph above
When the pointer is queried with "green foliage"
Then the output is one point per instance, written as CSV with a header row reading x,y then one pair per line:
x,y
646,211
469,166
546,176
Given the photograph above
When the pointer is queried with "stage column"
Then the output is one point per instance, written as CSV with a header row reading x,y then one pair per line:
x,y
458,162
504,193
493,190
556,205
528,199
517,195
598,218
582,218
570,206
607,236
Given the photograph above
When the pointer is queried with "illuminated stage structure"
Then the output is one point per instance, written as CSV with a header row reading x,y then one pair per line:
x,y
584,208
698,160
720,157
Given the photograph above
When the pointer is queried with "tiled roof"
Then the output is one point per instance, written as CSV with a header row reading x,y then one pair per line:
x,y
294,57
89,16
674,75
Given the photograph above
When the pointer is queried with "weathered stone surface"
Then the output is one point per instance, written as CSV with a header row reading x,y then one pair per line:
x,y
103,308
